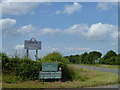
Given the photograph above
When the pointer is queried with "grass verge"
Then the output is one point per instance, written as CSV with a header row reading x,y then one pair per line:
x,y
82,78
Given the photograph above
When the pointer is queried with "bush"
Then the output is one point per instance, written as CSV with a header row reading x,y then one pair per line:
x,y
28,69
24,68
11,78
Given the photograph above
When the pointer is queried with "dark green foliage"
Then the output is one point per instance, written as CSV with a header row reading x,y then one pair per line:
x,y
92,56
73,58
109,54
110,58
4,58
10,78
85,58
20,69
52,57
89,58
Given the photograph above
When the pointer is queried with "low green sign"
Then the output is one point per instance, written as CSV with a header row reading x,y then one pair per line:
x,y
50,67
50,75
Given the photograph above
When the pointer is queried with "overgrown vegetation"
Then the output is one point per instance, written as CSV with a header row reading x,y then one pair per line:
x,y
82,78
110,58
23,69
18,70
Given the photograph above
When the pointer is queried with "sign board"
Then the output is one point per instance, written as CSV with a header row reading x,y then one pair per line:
x,y
50,75
32,44
50,67
96,61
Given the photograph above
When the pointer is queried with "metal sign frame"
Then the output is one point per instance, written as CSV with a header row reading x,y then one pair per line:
x,y
32,44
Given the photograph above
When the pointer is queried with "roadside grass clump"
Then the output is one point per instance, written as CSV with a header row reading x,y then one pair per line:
x,y
11,78
76,73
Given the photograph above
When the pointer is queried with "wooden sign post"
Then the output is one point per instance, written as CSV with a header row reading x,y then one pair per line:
x,y
32,44
36,54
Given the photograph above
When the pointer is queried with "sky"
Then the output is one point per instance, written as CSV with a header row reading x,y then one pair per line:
x,y
66,27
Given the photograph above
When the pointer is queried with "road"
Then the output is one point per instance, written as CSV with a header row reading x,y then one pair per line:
x,y
109,86
99,68
116,71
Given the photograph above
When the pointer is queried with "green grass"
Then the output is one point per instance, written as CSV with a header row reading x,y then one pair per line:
x,y
82,78
99,65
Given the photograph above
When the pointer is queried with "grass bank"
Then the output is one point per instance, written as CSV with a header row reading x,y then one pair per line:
x,y
100,65
82,78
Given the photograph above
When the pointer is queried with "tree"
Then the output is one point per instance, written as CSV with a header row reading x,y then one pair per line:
x,y
92,56
109,58
52,57
109,54
4,58
83,58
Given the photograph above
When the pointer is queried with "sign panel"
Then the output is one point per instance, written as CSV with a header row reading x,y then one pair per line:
x,y
32,44
50,75
49,66
96,61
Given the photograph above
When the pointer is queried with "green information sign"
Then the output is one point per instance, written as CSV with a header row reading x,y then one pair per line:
x,y
50,71
50,75
50,67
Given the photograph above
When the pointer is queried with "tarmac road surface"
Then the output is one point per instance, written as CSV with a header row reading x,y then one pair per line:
x,y
99,68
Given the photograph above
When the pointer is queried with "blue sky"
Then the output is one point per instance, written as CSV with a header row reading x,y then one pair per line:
x,y
65,27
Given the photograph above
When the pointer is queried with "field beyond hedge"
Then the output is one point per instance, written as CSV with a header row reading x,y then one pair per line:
x,y
82,78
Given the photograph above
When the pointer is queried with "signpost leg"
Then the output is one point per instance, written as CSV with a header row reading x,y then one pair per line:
x,y
36,55
27,53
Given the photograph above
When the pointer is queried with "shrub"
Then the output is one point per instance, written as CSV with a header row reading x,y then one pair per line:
x,y
11,78
25,68
74,73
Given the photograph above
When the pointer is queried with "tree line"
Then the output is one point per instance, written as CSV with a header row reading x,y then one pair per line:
x,y
110,58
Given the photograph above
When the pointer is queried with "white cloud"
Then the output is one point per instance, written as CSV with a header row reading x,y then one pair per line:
x,y
25,29
7,23
96,31
50,31
17,8
65,50
76,29
106,5
70,9
100,31
115,34
18,47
